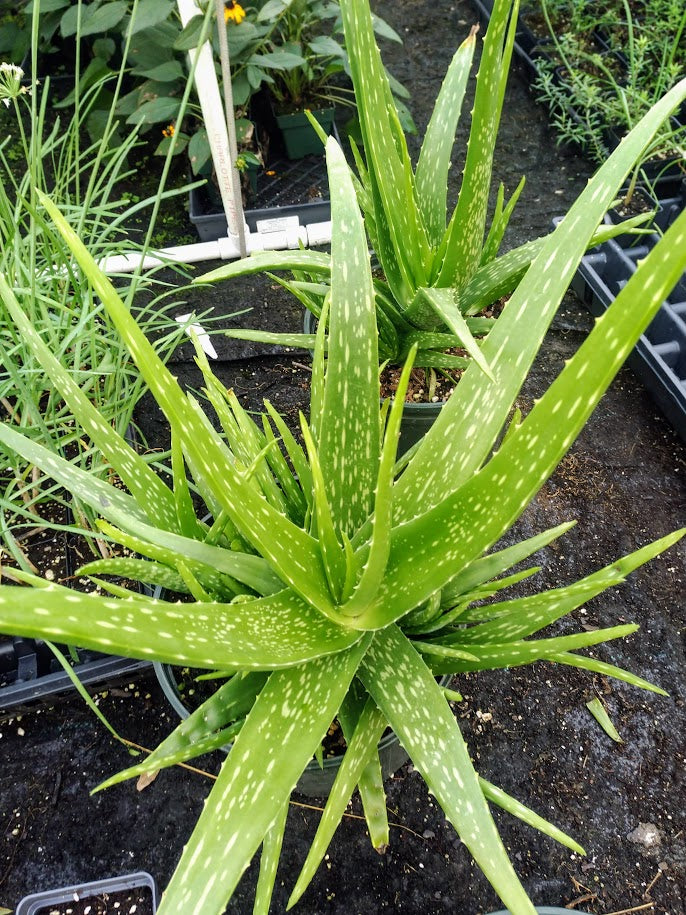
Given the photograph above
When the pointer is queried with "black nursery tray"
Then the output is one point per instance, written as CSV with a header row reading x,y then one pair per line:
x,y
286,188
659,357
30,673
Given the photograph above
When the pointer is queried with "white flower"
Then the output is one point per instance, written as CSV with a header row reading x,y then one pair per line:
x,y
10,82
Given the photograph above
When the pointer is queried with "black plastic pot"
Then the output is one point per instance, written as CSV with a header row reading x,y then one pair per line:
x,y
316,780
42,903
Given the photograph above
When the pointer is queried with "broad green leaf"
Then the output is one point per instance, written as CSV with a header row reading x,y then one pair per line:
x,y
431,177
261,634
597,709
163,109
497,796
426,727
150,13
348,431
360,750
92,19
278,739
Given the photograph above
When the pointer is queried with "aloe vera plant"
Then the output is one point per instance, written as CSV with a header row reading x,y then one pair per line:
x,y
327,584
439,271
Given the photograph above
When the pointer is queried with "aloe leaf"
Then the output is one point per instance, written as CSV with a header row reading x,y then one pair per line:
x,y
380,537
333,557
497,796
501,220
275,537
311,261
397,217
209,562
361,748
527,615
475,413
349,422
300,341
206,728
597,709
428,731
607,670
466,229
269,862
138,570
297,503
185,511
431,176
151,495
516,619
293,450
488,567
499,277
443,303
319,372
265,633
515,654
275,744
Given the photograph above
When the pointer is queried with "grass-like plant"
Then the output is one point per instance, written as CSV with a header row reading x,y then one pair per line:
x,y
49,152
326,584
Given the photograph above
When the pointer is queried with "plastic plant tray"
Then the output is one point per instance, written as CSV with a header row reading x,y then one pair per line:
x,y
659,357
30,672
39,902
286,188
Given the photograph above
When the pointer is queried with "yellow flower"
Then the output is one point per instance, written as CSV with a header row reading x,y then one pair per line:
x,y
168,131
233,12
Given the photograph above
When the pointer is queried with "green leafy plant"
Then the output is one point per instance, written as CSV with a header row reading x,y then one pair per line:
x,y
437,274
327,584
596,96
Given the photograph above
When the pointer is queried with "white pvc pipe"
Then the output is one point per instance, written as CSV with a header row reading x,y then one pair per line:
x,y
318,233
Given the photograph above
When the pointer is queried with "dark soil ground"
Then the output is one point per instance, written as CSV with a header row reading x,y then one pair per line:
x,y
528,729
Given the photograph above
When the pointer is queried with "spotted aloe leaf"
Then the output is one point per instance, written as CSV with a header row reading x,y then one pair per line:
x,y
261,634
279,737
275,537
523,616
431,177
207,728
426,727
403,245
312,261
269,862
464,242
497,796
359,752
348,426
477,411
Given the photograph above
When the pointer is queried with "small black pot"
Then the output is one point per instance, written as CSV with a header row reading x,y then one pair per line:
x,y
42,903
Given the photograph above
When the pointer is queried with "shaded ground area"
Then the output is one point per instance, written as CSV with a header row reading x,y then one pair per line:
x,y
528,730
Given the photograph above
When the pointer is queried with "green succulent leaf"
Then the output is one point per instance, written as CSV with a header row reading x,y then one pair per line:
x,y
261,634
279,737
426,727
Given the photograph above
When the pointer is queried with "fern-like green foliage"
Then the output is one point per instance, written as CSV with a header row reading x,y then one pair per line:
x,y
327,584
